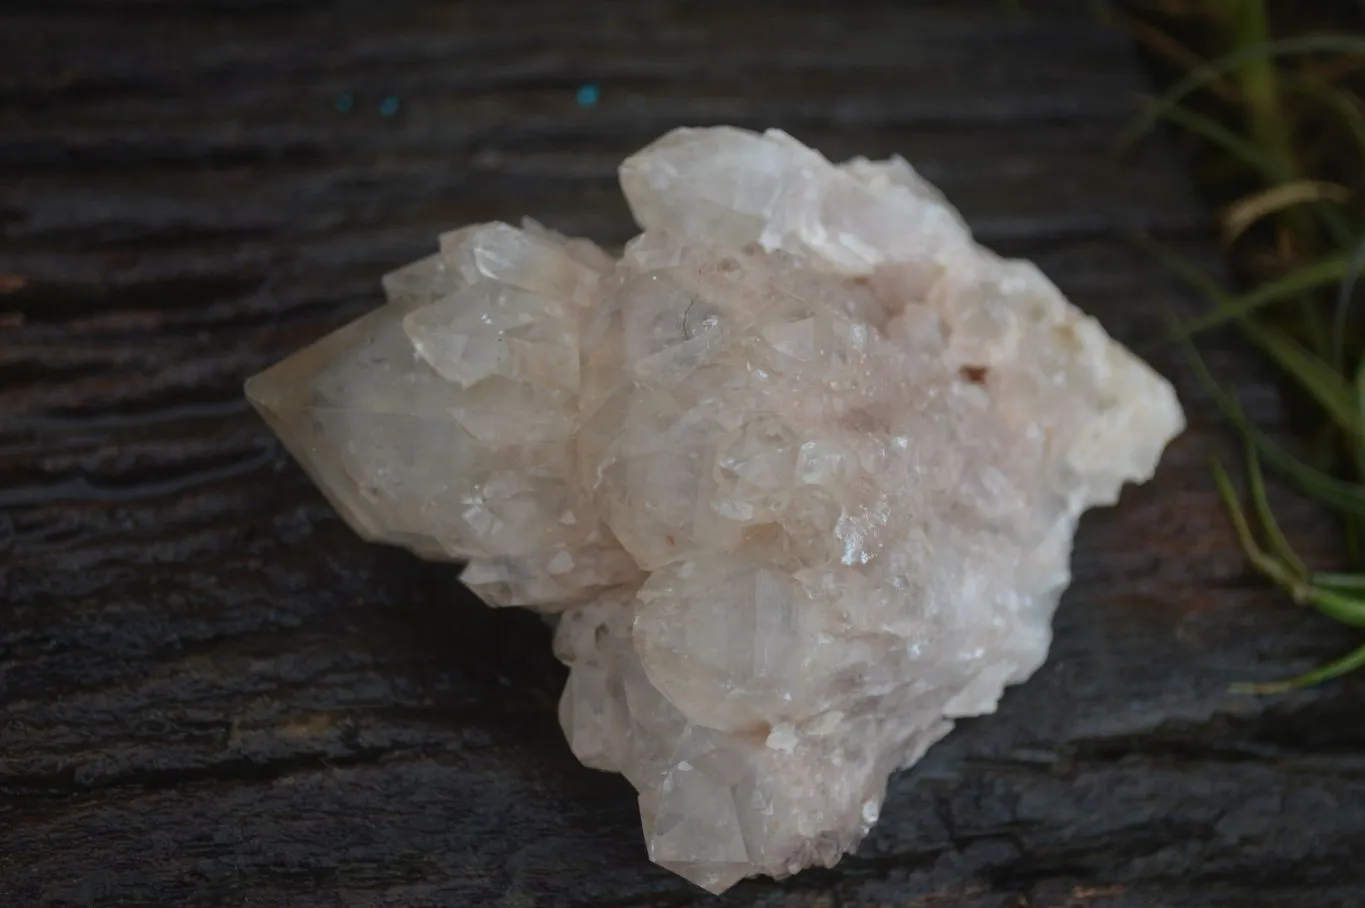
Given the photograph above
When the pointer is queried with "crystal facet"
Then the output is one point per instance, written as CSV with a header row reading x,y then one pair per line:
x,y
798,474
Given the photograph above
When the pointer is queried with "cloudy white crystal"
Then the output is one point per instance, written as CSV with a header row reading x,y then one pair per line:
x,y
798,473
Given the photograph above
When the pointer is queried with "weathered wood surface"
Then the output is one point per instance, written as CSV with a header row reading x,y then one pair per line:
x,y
212,694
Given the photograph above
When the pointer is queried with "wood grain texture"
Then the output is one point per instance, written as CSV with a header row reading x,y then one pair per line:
x,y
213,694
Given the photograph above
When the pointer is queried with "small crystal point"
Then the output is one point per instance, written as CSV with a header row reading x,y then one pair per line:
x,y
799,473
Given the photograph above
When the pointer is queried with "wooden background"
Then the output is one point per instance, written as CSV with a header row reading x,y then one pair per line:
x,y
213,694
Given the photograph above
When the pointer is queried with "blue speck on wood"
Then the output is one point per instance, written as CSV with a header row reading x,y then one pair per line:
x,y
588,95
345,102
388,107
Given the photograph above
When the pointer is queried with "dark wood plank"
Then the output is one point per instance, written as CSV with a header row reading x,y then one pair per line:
x,y
212,694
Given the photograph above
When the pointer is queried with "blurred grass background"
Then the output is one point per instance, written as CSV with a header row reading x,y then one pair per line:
x,y
1266,99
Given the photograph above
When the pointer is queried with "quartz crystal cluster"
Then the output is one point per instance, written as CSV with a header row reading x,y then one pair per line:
x,y
797,474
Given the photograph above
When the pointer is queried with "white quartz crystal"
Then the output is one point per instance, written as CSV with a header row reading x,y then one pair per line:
x,y
799,474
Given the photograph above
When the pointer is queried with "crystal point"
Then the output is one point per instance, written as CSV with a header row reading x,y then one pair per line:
x,y
798,474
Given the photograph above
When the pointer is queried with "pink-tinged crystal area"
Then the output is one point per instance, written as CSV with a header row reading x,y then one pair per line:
x,y
798,474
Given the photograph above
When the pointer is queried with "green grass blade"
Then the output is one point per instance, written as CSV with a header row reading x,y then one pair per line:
x,y
1214,69
1343,666
1335,99
1360,407
1187,272
1314,276
1320,486
1347,110
1260,82
1328,388
1266,564
1338,606
1341,313
1273,169
1274,535
1338,494
1283,198
1332,580
1216,133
